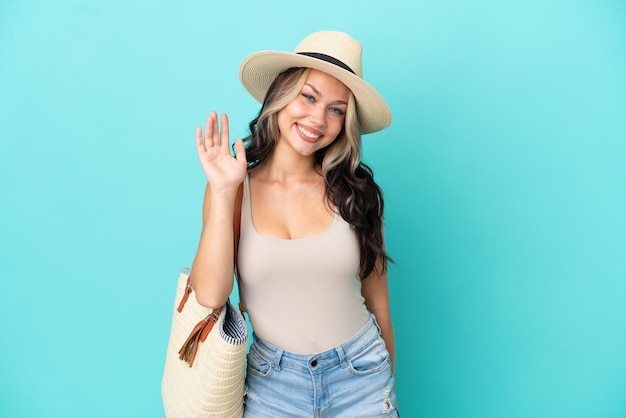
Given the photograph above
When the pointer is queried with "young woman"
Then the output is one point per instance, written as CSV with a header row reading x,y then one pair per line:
x,y
311,260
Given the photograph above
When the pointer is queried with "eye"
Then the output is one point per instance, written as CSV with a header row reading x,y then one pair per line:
x,y
308,97
337,111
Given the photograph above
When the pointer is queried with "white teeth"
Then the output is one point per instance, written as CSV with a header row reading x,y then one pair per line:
x,y
307,133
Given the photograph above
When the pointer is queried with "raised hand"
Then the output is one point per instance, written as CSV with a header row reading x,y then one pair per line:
x,y
223,171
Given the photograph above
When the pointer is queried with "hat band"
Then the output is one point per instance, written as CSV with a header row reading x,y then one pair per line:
x,y
327,58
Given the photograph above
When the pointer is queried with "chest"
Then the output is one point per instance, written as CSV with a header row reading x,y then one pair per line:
x,y
290,212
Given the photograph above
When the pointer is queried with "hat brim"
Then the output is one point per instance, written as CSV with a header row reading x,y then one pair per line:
x,y
259,70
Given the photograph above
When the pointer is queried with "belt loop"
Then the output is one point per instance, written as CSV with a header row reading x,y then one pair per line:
x,y
342,357
277,357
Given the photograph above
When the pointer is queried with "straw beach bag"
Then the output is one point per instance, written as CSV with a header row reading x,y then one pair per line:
x,y
206,358
206,352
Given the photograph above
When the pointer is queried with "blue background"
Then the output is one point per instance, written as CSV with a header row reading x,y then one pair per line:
x,y
504,173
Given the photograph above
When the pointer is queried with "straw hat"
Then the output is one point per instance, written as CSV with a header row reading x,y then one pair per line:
x,y
334,53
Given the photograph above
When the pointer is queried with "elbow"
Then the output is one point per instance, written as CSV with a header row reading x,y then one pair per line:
x,y
210,288
210,300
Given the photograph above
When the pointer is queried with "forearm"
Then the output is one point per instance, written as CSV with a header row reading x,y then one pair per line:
x,y
213,267
383,318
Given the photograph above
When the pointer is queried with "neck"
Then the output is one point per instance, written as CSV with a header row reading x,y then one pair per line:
x,y
284,166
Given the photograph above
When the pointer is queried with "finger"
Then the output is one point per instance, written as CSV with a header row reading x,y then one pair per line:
x,y
240,151
199,143
215,133
224,133
208,132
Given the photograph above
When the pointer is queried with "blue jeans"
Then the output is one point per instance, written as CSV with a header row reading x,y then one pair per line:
x,y
351,380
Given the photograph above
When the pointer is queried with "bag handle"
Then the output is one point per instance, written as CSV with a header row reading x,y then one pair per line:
x,y
236,234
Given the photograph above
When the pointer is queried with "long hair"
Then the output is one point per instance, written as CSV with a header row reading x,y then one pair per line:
x,y
350,185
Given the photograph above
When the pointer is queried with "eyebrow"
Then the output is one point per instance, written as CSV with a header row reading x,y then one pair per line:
x,y
321,95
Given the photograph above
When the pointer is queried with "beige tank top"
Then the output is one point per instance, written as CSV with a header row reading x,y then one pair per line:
x,y
303,295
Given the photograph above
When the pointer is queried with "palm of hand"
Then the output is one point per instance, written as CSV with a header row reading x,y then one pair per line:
x,y
223,171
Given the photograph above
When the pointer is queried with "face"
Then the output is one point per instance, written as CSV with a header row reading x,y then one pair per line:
x,y
314,119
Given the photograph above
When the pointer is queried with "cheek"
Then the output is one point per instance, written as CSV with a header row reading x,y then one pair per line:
x,y
333,131
295,109
284,118
336,125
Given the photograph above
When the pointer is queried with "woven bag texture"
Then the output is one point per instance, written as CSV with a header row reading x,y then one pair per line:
x,y
214,386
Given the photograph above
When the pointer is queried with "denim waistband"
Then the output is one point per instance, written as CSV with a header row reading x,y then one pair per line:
x,y
321,361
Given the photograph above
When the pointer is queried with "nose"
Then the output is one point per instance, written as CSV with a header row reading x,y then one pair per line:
x,y
318,116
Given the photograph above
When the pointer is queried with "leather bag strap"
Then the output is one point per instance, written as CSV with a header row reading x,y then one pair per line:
x,y
236,234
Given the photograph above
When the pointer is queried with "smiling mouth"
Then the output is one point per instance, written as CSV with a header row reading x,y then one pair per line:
x,y
308,134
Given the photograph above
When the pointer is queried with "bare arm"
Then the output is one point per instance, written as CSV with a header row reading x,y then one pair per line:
x,y
213,267
375,290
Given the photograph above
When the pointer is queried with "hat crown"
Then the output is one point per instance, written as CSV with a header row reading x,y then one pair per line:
x,y
337,45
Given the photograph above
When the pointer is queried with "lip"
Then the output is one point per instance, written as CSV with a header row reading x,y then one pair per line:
x,y
306,138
